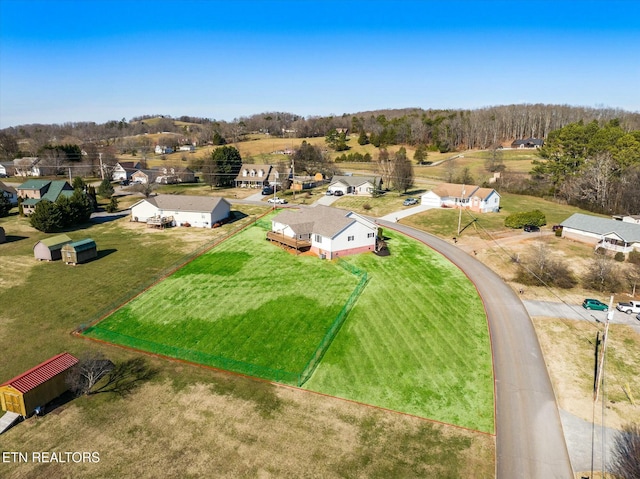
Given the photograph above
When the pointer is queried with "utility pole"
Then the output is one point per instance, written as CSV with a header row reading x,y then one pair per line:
x,y
293,177
101,167
460,213
599,379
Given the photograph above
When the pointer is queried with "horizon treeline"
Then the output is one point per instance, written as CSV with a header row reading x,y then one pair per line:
x,y
445,130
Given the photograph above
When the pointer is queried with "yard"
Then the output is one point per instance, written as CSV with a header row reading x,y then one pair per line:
x,y
189,420
245,305
416,341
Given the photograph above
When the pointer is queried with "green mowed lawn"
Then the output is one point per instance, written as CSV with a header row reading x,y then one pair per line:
x,y
246,300
416,341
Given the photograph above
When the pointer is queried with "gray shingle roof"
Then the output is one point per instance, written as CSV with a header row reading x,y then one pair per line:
x,y
629,232
355,180
322,220
186,203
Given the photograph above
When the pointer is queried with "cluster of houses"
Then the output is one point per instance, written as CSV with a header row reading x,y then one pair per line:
x,y
131,171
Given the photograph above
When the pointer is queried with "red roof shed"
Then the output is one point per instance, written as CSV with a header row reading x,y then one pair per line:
x,y
37,386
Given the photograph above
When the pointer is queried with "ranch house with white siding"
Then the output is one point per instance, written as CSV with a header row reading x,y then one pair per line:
x,y
197,211
328,232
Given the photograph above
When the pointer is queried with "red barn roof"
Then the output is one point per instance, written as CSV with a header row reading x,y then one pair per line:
x,y
34,377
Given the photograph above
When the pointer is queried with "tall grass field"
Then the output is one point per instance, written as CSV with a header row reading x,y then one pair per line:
x,y
416,342
245,302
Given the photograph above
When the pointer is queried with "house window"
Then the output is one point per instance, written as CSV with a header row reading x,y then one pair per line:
x,y
244,172
370,235
318,239
350,238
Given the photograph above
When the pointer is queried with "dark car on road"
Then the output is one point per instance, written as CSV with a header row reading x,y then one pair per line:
x,y
531,228
267,190
594,304
338,193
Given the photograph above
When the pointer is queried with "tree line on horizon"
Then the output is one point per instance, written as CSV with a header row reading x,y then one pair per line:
x,y
443,130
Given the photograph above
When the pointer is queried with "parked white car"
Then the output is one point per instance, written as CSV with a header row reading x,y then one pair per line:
x,y
277,200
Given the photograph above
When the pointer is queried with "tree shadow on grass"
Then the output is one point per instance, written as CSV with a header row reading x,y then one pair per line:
x,y
126,376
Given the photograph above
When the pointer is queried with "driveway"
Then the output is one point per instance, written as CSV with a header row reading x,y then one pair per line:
x,y
398,215
530,440
327,200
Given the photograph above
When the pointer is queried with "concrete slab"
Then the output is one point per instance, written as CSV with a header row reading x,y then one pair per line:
x,y
8,420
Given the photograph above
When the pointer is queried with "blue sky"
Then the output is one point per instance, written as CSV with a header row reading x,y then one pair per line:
x,y
94,60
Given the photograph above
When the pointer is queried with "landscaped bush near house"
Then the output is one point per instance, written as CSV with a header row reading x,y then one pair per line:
x,y
634,257
619,256
518,220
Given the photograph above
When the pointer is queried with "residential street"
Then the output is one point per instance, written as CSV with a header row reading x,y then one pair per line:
x,y
530,440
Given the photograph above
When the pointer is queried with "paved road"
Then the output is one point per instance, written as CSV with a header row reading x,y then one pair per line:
x,y
530,441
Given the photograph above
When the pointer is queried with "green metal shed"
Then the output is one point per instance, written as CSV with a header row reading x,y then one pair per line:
x,y
79,251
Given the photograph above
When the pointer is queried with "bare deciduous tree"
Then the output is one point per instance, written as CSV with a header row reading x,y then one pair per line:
x,y
603,274
626,452
91,367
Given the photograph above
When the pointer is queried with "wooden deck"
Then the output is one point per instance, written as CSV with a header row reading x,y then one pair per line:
x,y
294,243
159,221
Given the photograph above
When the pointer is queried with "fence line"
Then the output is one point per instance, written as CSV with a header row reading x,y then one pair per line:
x,y
332,332
278,375
169,270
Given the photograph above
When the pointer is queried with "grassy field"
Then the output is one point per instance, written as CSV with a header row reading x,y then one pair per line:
x,y
246,300
416,341
444,221
188,420
569,345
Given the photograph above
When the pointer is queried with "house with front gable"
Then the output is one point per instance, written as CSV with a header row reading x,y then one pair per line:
x,y
33,191
255,176
610,234
469,197
328,232
124,170
357,185
9,192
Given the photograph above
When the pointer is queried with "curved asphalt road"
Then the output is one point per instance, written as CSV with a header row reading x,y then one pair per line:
x,y
529,437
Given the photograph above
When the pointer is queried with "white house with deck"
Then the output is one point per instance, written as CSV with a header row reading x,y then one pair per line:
x,y
471,197
197,211
328,232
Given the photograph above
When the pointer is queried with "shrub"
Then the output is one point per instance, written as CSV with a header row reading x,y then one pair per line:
x,y
366,207
555,273
619,256
558,232
518,220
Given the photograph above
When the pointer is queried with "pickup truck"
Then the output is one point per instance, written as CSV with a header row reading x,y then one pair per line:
x,y
629,307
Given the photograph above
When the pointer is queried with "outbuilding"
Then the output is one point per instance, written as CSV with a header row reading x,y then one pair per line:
x,y
36,387
49,249
79,251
